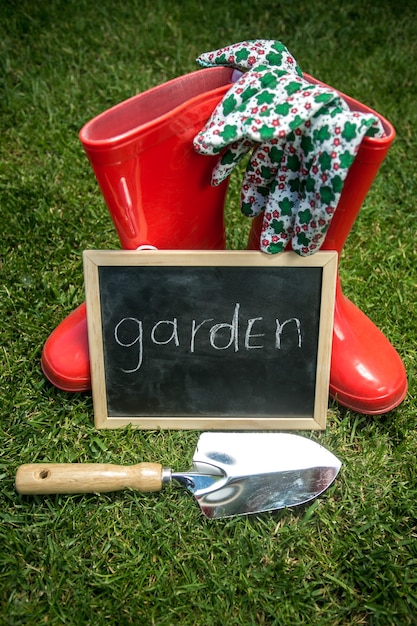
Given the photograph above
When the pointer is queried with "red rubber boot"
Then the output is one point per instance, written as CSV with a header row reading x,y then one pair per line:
x,y
156,187
366,374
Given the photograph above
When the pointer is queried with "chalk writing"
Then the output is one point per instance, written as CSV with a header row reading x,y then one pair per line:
x,y
237,335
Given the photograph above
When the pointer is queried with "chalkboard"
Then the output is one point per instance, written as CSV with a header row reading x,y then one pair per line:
x,y
218,339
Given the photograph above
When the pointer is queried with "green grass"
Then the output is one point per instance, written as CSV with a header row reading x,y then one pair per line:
x,y
129,558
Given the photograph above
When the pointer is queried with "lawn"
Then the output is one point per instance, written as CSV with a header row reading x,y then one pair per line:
x,y
129,558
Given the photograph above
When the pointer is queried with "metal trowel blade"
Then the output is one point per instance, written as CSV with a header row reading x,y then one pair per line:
x,y
242,473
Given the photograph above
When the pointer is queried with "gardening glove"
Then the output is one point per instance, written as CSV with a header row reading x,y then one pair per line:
x,y
245,95
303,139
247,54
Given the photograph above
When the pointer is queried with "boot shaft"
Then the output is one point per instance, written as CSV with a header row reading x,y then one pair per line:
x,y
156,187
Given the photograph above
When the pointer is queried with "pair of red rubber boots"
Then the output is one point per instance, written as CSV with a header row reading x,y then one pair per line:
x,y
158,192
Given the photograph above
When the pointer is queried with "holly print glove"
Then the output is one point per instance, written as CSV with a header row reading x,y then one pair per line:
x,y
302,138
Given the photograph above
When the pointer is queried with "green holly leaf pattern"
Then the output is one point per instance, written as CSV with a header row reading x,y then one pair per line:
x,y
346,159
273,186
283,108
249,93
326,195
229,104
307,144
337,184
274,58
296,122
294,185
334,111
349,131
275,248
310,184
322,133
325,161
293,163
263,191
229,133
227,158
265,132
246,208
286,206
269,81
263,68
222,59
266,172
324,97
303,239
242,55
275,154
265,97
373,131
305,217
278,226
292,88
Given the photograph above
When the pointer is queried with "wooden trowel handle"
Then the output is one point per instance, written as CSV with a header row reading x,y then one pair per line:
x,y
46,478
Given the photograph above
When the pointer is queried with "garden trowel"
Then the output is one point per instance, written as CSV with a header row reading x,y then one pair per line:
x,y
233,474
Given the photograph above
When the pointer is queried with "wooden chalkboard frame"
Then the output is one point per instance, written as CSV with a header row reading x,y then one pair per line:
x,y
96,259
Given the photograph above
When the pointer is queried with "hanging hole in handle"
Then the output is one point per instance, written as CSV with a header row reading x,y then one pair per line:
x,y
43,474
